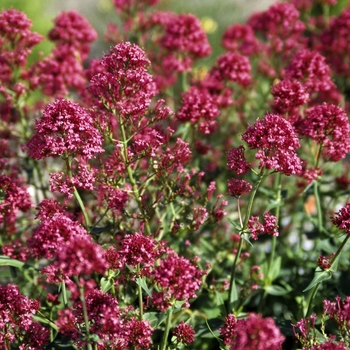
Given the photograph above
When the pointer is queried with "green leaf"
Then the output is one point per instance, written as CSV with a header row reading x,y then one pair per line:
x,y
220,302
6,261
276,290
275,268
142,283
319,277
155,318
106,284
237,226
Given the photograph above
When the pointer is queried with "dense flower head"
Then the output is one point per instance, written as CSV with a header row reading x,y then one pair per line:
x,y
184,333
236,160
127,5
16,319
330,345
52,233
256,333
139,249
276,141
198,106
124,85
240,38
65,129
329,126
77,257
281,19
16,38
232,67
342,218
116,198
177,278
310,68
176,156
57,74
227,333
183,34
73,29
281,27
238,187
269,226
288,96
334,43
13,197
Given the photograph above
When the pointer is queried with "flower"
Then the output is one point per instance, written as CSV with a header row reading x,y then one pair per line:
x,y
177,278
184,35
72,29
77,257
16,321
234,67
342,218
184,333
269,226
13,197
329,126
124,86
200,108
16,39
240,38
236,160
310,68
288,95
65,129
276,141
227,333
238,187
256,333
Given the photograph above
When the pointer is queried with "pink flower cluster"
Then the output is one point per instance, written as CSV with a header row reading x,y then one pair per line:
x,y
276,142
114,329
16,320
65,130
269,226
251,333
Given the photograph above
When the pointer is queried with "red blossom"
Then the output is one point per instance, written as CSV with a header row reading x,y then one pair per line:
x,y
238,187
236,160
342,218
184,333
65,129
310,68
200,108
16,319
276,141
329,126
177,278
256,333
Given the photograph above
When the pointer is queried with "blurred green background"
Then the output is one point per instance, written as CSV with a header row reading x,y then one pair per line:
x,y
215,15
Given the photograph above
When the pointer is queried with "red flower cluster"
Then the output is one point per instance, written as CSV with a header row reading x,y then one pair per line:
x,y
65,129
329,126
16,320
269,226
177,278
251,333
276,141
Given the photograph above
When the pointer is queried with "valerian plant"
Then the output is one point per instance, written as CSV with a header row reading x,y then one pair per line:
x,y
150,202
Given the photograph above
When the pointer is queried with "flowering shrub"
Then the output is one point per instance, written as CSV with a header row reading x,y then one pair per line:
x,y
150,202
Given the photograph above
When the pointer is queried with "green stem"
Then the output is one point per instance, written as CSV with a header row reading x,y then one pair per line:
x,y
167,329
135,188
77,195
244,227
86,318
317,195
139,290
315,289
278,189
